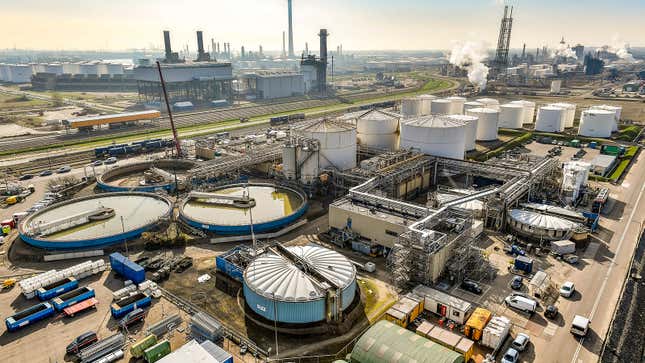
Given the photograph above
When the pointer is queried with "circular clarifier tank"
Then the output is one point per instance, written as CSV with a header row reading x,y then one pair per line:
x,y
147,176
94,221
228,210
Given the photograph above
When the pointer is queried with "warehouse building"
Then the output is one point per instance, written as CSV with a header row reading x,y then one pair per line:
x,y
603,164
270,85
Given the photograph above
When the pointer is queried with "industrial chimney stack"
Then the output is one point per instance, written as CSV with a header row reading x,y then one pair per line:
x,y
202,56
291,54
322,80
170,56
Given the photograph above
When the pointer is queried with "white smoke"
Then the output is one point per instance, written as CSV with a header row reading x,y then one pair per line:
x,y
470,55
563,50
619,48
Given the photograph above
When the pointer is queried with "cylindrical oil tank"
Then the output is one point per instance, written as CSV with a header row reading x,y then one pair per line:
x,y
279,289
289,163
378,129
529,110
550,119
434,135
489,103
617,111
569,112
89,69
426,103
471,129
114,68
411,107
337,143
596,123
472,104
486,123
54,68
511,116
457,104
441,106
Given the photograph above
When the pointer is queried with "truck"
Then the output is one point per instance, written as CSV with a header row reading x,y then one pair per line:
x,y
123,306
72,297
52,290
563,247
72,310
126,268
523,263
29,316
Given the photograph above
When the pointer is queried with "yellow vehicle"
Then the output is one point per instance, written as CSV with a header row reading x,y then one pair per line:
x,y
12,199
8,283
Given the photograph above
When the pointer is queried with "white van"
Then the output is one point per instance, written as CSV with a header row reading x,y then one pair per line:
x,y
580,325
521,303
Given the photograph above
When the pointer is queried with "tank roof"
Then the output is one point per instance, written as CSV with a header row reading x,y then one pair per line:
x,y
540,220
483,110
435,121
327,125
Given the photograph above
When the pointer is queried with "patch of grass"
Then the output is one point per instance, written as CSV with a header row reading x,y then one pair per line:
x,y
523,137
628,133
620,169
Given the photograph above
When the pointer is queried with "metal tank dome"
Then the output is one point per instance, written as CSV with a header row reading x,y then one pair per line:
x,y
337,146
486,123
550,119
617,110
416,106
457,104
596,123
471,129
511,116
378,129
529,110
540,226
434,135
299,284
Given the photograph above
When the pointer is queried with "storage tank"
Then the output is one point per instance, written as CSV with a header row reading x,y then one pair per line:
x,y
569,112
284,290
471,129
596,123
441,107
55,68
71,68
486,123
426,103
457,104
3,72
20,73
550,119
511,116
114,68
337,143
540,226
434,135
289,164
472,104
617,111
411,107
378,129
89,69
529,110
489,103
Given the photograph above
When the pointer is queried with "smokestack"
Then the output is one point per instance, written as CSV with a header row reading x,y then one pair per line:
x,y
284,52
261,53
166,43
213,48
323,44
242,53
202,56
291,55
322,80
306,48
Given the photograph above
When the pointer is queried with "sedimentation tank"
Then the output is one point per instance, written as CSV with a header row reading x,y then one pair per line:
x,y
511,116
529,110
228,209
471,129
569,113
486,123
596,123
298,292
550,119
378,129
617,110
138,176
540,226
434,135
94,221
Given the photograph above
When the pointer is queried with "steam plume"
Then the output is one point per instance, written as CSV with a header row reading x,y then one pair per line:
x,y
470,55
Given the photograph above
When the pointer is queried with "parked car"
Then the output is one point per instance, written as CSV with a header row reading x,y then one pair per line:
x,y
133,317
567,289
471,286
97,163
511,356
521,303
570,259
46,172
551,312
580,325
26,177
64,169
110,160
520,342
516,283
82,341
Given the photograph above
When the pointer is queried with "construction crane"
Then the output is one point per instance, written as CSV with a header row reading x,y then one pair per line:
x,y
172,122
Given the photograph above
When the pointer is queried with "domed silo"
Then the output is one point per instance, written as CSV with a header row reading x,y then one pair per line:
x,y
472,104
378,129
471,129
569,112
511,116
617,112
457,104
596,123
486,123
441,106
337,146
299,284
434,135
540,226
411,107
489,103
550,119
529,110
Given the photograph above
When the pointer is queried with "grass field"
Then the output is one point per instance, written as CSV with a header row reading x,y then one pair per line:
x,y
11,102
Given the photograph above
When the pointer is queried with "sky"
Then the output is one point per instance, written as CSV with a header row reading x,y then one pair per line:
x,y
357,24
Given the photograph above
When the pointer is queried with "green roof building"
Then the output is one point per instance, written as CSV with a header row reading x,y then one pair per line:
x,y
386,342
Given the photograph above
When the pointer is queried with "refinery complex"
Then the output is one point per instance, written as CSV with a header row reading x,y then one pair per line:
x,y
222,203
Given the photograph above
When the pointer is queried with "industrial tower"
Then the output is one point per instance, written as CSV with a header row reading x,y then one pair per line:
x,y
291,54
504,41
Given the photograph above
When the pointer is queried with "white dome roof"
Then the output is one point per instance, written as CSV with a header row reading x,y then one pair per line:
x,y
543,221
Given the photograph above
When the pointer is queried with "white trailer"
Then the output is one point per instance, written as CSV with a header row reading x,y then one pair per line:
x,y
442,304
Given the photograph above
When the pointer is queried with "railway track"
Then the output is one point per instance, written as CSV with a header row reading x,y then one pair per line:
x,y
36,166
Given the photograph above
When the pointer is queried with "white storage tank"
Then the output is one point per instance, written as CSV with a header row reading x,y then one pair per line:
x,y
617,111
411,107
441,107
426,103
20,73
457,104
3,72
337,143
71,68
596,123
486,123
114,68
378,129
89,69
434,135
55,68
569,112
511,116
529,110
550,119
472,104
489,103
471,129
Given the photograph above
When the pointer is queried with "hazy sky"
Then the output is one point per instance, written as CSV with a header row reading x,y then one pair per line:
x,y
358,24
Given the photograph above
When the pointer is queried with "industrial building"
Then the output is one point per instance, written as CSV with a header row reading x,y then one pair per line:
x,y
315,69
270,85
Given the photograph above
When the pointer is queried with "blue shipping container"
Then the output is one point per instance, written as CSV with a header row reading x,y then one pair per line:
x,y
126,268
227,268
29,316
523,263
52,290
73,297
121,307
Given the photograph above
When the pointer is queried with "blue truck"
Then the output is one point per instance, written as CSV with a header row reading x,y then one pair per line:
x,y
52,290
126,268
29,316
72,297
123,306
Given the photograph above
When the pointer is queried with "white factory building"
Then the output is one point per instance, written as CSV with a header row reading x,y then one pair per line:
x,y
270,85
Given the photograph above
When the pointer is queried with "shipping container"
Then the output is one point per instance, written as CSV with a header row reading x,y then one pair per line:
x,y
80,306
122,307
563,247
405,310
50,291
29,316
72,297
523,263
476,323
137,349
157,351
126,268
495,332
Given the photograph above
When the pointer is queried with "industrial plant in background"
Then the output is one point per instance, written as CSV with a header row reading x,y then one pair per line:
x,y
315,69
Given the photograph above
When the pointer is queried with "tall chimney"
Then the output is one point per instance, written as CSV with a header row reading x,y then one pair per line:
x,y
166,43
284,52
322,79
291,55
306,48
243,55
202,56
213,48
